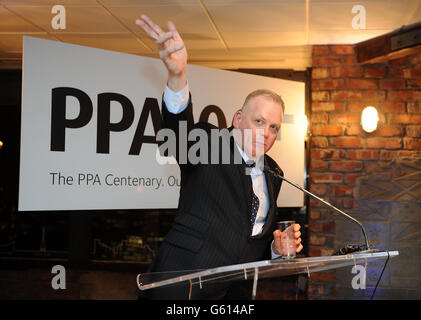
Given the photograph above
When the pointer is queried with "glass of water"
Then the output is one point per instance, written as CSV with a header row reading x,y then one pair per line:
x,y
288,240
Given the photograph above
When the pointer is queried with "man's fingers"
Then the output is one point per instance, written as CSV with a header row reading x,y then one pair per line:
x,y
297,234
175,48
152,24
299,248
164,53
152,34
164,37
172,28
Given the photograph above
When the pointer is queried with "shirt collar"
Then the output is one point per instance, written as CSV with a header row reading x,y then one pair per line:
x,y
257,169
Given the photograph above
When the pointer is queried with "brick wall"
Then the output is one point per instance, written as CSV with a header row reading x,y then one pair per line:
x,y
344,158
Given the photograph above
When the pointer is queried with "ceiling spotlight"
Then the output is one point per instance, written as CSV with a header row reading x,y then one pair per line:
x,y
1,144
369,119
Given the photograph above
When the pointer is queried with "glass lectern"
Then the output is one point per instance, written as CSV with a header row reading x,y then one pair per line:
x,y
258,270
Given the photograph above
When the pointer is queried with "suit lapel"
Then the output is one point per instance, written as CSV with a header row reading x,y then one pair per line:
x,y
272,202
240,169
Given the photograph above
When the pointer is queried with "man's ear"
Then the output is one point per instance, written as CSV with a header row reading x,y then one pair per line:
x,y
237,119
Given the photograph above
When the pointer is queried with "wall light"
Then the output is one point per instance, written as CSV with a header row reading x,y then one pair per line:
x,y
369,119
1,144
304,124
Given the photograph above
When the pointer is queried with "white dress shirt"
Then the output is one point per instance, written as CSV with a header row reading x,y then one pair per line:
x,y
260,190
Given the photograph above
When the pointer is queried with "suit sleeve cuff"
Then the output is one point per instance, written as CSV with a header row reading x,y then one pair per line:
x,y
274,255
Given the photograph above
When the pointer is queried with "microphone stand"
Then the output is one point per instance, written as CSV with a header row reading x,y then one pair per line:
x,y
279,176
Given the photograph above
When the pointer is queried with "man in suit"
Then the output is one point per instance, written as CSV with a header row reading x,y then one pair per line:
x,y
227,210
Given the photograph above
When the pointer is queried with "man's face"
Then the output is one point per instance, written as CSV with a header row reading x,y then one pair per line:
x,y
259,122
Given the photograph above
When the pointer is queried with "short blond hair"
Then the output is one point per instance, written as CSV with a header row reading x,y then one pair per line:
x,y
268,94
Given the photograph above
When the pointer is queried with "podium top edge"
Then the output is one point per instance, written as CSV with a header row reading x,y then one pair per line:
x,y
294,263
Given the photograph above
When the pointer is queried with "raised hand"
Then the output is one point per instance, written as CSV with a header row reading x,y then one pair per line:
x,y
171,50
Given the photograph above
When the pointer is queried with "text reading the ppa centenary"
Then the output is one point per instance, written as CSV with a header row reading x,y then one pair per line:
x,y
111,180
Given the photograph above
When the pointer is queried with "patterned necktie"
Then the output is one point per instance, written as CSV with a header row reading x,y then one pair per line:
x,y
254,199
254,208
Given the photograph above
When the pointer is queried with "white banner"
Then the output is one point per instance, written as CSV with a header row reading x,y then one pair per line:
x,y
88,120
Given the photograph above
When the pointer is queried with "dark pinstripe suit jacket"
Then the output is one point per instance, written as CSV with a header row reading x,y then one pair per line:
x,y
212,226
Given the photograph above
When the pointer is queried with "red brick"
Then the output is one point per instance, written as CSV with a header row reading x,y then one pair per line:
x,y
387,155
362,84
404,118
327,130
345,118
347,166
415,59
377,95
315,252
412,83
393,106
392,84
346,95
319,117
409,95
325,62
327,154
408,154
354,130
320,96
348,203
413,131
412,72
384,143
328,252
351,177
318,189
342,49
328,84
314,214
319,142
412,143
318,165
315,203
341,190
370,166
337,202
414,107
317,239
342,72
328,226
315,226
350,60
388,131
363,154
346,142
398,62
320,73
396,73
375,72
327,106
320,50
329,177
356,106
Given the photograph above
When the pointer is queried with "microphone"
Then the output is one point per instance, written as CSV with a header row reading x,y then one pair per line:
x,y
347,249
